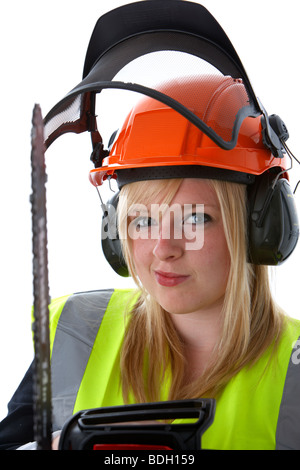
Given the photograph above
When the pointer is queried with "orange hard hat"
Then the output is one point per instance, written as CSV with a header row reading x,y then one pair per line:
x,y
155,137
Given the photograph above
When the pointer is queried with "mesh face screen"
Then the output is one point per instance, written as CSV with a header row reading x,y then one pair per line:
x,y
154,70
144,64
68,115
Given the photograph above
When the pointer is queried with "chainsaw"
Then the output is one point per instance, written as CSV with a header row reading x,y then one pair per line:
x,y
167,426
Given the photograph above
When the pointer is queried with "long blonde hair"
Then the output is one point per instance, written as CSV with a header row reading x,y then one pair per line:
x,y
152,350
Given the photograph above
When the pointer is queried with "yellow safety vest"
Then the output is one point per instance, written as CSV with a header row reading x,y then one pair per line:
x,y
258,409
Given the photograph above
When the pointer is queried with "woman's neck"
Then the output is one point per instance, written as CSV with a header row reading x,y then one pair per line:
x,y
200,333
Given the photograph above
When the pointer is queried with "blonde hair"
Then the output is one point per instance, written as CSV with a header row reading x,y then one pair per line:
x,y
152,350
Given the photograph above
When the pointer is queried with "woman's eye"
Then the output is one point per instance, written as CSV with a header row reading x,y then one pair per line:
x,y
143,222
197,218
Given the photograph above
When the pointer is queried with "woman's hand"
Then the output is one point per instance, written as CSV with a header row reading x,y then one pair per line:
x,y
55,442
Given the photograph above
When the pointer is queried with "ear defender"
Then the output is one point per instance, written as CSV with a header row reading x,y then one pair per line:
x,y
111,244
273,226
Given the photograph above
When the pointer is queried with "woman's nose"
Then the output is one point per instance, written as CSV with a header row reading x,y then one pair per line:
x,y
167,246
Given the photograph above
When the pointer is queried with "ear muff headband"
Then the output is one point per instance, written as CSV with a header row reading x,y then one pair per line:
x,y
273,226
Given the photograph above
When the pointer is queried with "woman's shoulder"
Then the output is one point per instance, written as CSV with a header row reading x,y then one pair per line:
x,y
291,327
290,340
89,296
93,299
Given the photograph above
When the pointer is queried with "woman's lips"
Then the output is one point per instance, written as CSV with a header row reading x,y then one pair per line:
x,y
169,279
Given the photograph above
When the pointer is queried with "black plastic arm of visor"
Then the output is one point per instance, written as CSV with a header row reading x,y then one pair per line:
x,y
247,111
273,130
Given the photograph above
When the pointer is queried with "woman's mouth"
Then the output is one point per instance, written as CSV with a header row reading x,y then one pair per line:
x,y
169,279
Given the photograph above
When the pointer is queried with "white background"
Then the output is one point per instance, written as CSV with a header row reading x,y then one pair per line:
x,y
43,46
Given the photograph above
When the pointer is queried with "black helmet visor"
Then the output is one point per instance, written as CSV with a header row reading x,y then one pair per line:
x,y
138,46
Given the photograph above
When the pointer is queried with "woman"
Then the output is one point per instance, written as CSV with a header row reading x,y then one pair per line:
x,y
202,322
199,224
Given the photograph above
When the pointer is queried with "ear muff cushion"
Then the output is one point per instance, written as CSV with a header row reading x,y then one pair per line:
x,y
111,244
273,222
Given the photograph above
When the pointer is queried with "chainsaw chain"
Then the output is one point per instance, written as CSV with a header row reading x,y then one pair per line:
x,y
42,372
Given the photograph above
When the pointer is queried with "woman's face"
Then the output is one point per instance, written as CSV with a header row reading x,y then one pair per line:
x,y
184,275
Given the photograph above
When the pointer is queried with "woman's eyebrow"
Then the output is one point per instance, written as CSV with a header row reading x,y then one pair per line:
x,y
136,211
195,204
201,204
140,210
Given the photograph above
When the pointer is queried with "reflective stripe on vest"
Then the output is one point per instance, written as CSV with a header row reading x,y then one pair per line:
x,y
75,332
289,414
258,409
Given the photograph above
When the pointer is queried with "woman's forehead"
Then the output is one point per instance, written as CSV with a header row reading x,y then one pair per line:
x,y
187,192
158,190
196,191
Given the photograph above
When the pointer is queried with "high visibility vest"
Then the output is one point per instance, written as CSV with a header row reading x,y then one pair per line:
x,y
258,409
